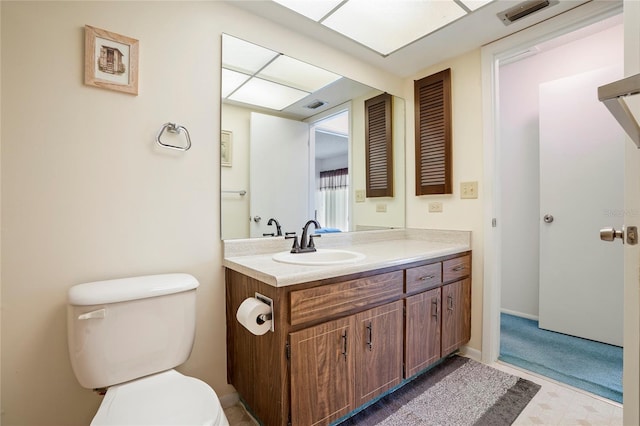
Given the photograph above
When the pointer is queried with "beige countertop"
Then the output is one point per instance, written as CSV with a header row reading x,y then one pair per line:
x,y
253,257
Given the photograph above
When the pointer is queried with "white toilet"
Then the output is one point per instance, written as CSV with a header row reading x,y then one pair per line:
x,y
127,335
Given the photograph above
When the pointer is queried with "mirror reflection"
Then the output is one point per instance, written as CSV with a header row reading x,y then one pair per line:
x,y
293,149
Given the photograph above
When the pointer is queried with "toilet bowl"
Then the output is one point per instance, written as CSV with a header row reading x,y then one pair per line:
x,y
167,398
126,336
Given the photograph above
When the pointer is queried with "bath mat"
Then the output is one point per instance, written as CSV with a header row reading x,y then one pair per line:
x,y
459,391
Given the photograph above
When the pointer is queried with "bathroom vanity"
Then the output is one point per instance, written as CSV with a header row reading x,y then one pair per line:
x,y
345,333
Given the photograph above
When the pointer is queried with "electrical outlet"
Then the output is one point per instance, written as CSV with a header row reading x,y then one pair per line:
x,y
360,195
469,189
435,207
381,208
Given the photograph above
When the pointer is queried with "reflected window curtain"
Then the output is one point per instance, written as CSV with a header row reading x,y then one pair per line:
x,y
332,199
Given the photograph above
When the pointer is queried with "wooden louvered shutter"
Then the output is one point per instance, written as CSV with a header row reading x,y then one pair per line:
x,y
379,146
432,96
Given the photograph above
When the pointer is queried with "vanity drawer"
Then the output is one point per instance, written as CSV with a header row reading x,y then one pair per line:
x,y
327,301
456,268
424,277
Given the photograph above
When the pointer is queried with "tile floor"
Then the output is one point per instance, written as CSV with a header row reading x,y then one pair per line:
x,y
555,404
238,416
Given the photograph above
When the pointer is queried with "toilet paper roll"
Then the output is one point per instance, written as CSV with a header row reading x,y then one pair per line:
x,y
249,311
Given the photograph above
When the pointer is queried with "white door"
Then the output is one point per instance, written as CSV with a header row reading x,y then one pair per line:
x,y
279,174
581,191
631,354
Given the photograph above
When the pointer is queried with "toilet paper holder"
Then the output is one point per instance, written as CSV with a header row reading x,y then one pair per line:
x,y
265,317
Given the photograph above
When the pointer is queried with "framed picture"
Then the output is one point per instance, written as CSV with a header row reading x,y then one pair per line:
x,y
110,60
226,143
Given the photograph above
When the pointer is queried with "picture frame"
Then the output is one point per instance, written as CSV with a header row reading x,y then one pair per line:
x,y
226,147
110,60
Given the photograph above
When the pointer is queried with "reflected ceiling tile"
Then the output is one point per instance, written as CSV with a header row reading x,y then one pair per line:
x,y
242,56
267,94
231,80
295,73
313,9
386,26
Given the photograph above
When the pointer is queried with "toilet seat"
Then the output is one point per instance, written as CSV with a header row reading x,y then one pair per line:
x,y
167,398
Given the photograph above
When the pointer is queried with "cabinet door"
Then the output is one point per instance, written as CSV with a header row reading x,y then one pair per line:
x,y
322,372
422,339
456,315
378,351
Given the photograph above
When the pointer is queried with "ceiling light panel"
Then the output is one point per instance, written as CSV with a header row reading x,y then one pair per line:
x,y
386,26
298,74
474,4
245,57
231,80
315,10
267,94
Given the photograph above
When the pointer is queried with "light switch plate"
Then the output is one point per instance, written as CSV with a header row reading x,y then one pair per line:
x,y
360,195
435,207
469,189
381,208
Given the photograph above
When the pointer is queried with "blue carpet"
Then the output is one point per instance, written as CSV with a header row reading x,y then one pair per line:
x,y
592,366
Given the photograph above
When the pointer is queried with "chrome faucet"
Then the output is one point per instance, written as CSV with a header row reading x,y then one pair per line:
x,y
273,221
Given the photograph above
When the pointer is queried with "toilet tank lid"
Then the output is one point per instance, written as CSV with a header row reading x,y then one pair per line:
x,y
124,289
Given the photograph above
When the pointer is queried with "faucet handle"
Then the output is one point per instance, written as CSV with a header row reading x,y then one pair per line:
x,y
289,233
295,248
268,235
311,244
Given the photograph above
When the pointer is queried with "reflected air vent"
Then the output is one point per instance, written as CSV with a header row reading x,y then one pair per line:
x,y
315,104
510,16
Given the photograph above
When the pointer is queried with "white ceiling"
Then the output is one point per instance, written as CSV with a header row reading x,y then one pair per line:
x,y
470,32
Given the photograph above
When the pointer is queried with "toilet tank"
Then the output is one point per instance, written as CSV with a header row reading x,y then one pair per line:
x,y
123,329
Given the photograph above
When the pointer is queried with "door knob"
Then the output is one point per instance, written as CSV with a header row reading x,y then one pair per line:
x,y
610,234
547,218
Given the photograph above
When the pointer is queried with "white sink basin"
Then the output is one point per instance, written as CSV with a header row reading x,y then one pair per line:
x,y
319,257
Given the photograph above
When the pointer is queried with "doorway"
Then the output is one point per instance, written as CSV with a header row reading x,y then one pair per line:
x,y
524,249
330,142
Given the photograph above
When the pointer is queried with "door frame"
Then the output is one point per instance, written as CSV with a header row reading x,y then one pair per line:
x,y
491,54
312,121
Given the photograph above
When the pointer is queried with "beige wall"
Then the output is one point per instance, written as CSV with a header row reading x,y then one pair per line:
x,y
467,166
86,193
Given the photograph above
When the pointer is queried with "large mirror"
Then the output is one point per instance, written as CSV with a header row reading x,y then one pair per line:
x,y
293,148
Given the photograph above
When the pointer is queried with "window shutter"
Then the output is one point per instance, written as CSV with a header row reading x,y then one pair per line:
x,y
379,146
432,96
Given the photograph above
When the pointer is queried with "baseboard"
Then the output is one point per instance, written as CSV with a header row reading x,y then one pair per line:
x,y
229,400
474,354
520,314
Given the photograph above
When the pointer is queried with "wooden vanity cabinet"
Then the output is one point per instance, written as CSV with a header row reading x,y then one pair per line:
x,y
438,320
456,315
422,331
456,303
322,372
342,364
378,351
338,343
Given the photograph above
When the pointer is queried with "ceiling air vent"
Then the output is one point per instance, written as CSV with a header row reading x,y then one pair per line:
x,y
515,13
315,104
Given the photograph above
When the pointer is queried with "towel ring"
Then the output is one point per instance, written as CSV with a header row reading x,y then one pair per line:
x,y
174,128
